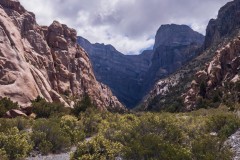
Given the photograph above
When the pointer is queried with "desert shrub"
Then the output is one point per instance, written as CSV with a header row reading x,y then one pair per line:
x,y
70,122
22,123
81,106
45,147
176,106
6,124
141,135
151,135
49,133
203,103
97,148
207,147
3,155
117,127
224,124
73,128
19,122
152,146
44,109
91,120
37,138
6,104
15,144
216,96
154,136
162,125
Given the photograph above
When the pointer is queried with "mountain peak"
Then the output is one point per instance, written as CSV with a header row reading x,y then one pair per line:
x,y
13,4
173,35
136,74
226,23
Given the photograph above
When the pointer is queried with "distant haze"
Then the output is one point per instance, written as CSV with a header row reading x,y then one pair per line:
x,y
129,25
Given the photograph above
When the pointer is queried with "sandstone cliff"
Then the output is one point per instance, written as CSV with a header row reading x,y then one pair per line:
x,y
218,78
46,61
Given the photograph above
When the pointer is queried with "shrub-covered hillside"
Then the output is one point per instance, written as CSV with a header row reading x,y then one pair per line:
x,y
199,135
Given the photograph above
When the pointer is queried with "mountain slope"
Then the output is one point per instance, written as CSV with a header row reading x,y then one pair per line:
x,y
227,23
211,78
131,76
44,61
174,46
122,73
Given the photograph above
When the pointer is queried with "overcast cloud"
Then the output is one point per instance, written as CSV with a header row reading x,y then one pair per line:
x,y
129,25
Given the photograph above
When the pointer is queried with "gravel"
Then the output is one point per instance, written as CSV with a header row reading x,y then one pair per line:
x,y
234,142
61,156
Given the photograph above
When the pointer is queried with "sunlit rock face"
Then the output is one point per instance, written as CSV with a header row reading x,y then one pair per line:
x,y
39,60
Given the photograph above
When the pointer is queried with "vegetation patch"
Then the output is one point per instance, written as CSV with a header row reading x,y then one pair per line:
x,y
104,135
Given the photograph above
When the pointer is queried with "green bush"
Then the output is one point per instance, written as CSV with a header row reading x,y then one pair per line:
x,y
73,128
152,146
208,147
91,120
176,106
50,133
224,124
22,123
153,135
201,103
15,144
19,122
6,104
44,109
37,138
81,106
97,148
45,147
3,154
141,135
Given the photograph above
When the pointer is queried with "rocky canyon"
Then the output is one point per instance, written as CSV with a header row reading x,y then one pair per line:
x,y
63,97
131,76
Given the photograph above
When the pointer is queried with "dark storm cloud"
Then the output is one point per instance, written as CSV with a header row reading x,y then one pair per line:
x,y
130,25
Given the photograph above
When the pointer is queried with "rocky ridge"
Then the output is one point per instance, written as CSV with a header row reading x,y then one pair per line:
x,y
222,69
175,45
122,73
226,23
131,76
174,35
39,60
208,78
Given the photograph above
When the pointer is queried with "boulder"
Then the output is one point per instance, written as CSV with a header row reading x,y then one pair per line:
x,y
15,113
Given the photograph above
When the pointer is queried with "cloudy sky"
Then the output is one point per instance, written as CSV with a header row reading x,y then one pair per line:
x,y
129,25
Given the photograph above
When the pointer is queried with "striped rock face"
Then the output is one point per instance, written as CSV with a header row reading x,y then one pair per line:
x,y
39,60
